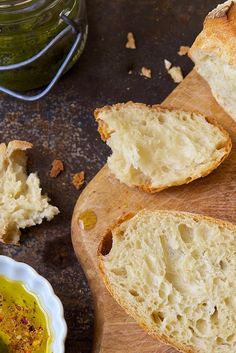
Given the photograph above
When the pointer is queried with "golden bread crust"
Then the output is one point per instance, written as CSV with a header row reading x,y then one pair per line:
x,y
221,10
218,37
16,145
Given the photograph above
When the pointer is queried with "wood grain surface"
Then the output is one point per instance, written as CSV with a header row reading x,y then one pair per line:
x,y
213,195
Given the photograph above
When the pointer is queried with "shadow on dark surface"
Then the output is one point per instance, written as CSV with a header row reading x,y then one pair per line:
x,y
56,253
62,126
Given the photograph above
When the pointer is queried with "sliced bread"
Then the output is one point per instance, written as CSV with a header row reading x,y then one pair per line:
x,y
21,201
214,55
175,274
154,148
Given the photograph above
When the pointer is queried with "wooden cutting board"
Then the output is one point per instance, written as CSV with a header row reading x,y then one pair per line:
x,y
214,195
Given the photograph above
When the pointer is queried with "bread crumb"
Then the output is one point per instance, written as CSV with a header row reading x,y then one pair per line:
x,y
78,180
176,73
183,50
130,41
130,72
57,168
167,64
146,72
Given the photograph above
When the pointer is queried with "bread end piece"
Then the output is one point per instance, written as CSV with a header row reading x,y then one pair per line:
x,y
214,55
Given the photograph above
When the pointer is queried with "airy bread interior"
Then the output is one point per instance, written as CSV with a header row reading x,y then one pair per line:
x,y
175,274
155,148
21,201
213,53
220,76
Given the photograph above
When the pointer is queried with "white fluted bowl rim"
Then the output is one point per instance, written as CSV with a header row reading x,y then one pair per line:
x,y
43,290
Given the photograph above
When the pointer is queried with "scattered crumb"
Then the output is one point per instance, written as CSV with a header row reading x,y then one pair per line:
x,y
183,50
130,41
167,64
130,72
176,73
78,180
45,144
128,88
57,168
146,72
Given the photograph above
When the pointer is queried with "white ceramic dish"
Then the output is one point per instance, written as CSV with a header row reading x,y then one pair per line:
x,y
39,286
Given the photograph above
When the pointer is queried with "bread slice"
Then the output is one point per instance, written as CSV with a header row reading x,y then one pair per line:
x,y
21,201
155,148
214,55
175,274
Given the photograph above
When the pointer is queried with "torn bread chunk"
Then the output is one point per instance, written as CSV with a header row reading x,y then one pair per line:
x,y
21,201
174,273
154,148
214,55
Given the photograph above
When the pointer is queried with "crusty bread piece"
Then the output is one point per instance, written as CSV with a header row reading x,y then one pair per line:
x,y
155,148
175,274
21,202
214,55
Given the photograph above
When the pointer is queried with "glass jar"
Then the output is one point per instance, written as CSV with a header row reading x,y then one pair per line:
x,y
27,27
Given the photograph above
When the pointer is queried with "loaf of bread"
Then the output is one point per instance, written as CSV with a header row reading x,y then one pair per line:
x,y
175,274
21,201
154,148
214,55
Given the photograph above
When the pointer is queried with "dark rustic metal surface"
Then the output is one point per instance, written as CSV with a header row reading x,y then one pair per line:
x,y
62,126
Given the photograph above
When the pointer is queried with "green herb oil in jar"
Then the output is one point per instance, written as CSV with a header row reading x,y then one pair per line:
x,y
26,27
